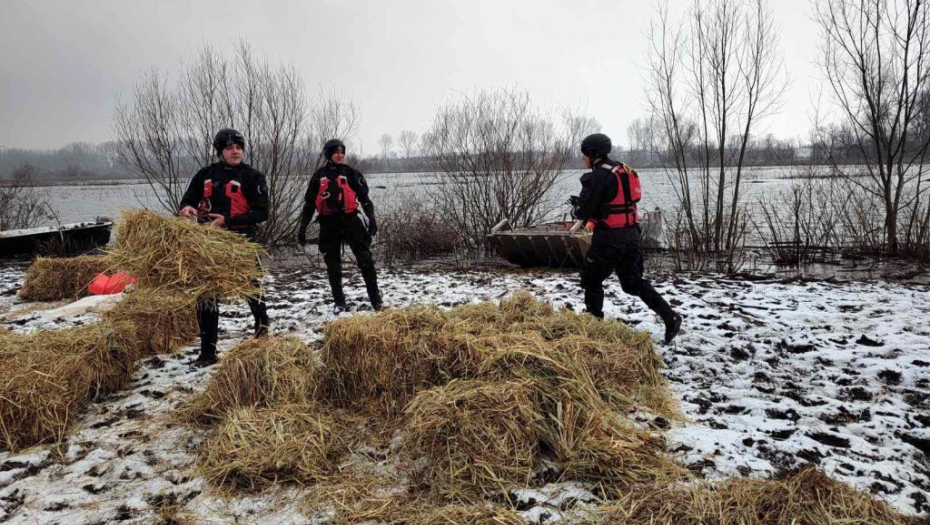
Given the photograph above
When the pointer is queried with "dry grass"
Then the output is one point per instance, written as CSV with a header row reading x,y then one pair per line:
x,y
48,378
482,395
379,362
805,498
477,435
602,447
164,321
264,372
58,278
255,448
178,254
364,497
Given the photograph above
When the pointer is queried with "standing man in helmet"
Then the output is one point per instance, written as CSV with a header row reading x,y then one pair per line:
x,y
609,193
227,194
336,192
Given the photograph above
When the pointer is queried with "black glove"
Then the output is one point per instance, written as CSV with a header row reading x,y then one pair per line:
x,y
372,227
302,235
573,200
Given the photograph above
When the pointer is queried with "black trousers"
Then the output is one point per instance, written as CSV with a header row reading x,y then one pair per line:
x,y
339,230
208,320
626,260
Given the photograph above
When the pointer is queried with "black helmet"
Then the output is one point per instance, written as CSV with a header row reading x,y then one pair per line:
x,y
596,146
225,138
331,146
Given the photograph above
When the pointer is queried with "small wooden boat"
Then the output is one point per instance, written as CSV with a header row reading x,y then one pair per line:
x,y
556,244
68,239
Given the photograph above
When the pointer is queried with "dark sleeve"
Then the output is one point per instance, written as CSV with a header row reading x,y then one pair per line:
x,y
194,192
256,194
306,215
361,190
593,187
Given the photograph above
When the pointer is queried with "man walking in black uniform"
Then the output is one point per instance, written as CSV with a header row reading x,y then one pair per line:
x,y
227,194
336,192
609,193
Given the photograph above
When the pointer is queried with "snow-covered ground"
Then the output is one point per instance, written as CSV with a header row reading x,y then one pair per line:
x,y
771,375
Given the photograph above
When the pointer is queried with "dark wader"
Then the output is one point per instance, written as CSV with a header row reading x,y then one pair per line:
x,y
349,229
619,251
208,315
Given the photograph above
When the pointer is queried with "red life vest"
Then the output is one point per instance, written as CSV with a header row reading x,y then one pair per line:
x,y
232,192
621,211
336,198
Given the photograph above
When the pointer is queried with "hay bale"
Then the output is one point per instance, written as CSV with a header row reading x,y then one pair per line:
x,y
40,397
178,254
382,360
49,377
521,307
255,448
603,447
807,497
164,321
58,278
261,372
476,435
628,376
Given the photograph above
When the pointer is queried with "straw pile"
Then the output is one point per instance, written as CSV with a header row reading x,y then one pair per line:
x,y
48,378
488,388
179,254
483,396
476,434
257,447
808,497
58,278
377,363
164,321
264,372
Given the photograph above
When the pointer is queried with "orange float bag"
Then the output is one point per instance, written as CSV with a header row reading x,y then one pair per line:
x,y
104,284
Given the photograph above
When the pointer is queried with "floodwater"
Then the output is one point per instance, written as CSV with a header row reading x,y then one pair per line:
x,y
87,201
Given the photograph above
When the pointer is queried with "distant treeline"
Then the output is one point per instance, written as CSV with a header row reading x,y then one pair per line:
x,y
86,161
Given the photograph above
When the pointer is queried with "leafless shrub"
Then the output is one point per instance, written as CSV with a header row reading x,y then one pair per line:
x,y
21,204
165,131
411,229
498,158
712,79
876,57
803,224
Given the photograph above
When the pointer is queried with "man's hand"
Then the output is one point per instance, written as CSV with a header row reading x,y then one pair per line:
x,y
302,235
573,200
372,227
218,220
187,211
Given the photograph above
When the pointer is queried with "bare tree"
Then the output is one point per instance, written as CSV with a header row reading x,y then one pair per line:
x,y
386,142
712,79
641,135
408,143
876,56
498,158
165,133
21,204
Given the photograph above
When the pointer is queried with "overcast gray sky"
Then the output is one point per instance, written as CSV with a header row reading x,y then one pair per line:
x,y
64,62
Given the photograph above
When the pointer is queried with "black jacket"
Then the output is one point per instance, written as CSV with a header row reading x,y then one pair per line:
x,y
254,188
598,188
331,170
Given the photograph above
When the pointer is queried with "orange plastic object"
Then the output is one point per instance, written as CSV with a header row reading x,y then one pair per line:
x,y
104,284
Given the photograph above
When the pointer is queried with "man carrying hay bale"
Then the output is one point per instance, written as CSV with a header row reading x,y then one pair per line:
x,y
609,193
336,192
227,194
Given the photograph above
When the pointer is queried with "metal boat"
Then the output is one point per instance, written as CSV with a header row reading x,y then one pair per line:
x,y
556,244
67,239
